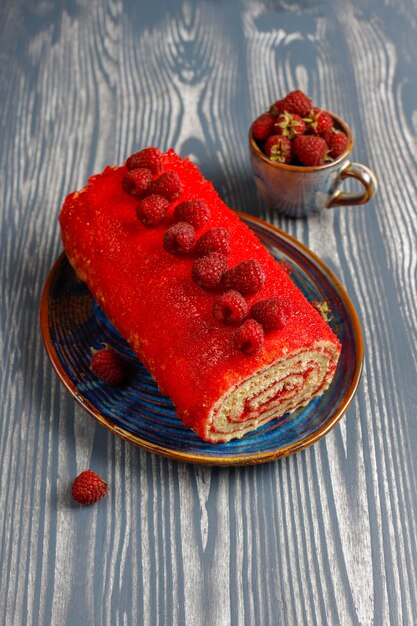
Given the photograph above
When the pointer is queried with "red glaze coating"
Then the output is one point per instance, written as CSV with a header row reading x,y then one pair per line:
x,y
157,307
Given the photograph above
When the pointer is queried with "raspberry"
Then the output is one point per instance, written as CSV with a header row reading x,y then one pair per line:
x,y
247,277
207,271
294,102
150,158
310,150
88,487
230,308
328,134
289,125
278,149
319,120
262,126
167,185
195,212
109,365
152,210
338,143
137,181
179,238
249,338
272,313
214,240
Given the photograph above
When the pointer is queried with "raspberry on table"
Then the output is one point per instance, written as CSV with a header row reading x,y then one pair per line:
x,y
289,125
272,313
294,102
319,120
249,337
152,210
150,158
263,126
168,185
195,212
88,488
179,238
214,240
230,308
137,181
310,150
278,149
109,365
248,277
208,270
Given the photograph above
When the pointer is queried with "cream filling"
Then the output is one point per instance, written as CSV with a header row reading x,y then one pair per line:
x,y
285,385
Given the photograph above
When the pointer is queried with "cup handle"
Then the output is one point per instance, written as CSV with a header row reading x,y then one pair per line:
x,y
361,173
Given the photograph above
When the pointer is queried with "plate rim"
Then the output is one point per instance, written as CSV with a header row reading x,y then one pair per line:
x,y
201,459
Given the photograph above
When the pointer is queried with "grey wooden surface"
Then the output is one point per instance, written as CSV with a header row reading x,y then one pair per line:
x,y
327,536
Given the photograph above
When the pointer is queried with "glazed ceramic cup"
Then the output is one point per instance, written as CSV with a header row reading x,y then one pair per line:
x,y
298,191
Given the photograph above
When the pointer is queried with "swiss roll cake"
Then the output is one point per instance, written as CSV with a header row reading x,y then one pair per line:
x,y
215,318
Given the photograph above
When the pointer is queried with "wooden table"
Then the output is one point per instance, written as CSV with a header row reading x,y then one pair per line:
x,y
328,536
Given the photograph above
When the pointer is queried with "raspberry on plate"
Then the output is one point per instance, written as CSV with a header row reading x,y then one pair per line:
x,y
248,277
195,212
278,149
230,308
168,185
249,337
208,270
88,487
109,365
214,240
179,238
310,150
152,210
263,126
149,158
272,313
137,181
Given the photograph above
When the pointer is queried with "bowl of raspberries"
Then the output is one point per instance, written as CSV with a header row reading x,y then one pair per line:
x,y
300,156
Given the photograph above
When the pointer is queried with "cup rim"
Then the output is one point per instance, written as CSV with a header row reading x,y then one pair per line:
x,y
306,168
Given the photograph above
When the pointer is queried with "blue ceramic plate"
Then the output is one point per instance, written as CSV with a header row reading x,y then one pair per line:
x,y
71,323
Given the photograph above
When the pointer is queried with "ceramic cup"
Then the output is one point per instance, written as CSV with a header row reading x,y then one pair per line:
x,y
298,191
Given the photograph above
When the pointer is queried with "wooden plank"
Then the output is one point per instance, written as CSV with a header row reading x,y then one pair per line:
x,y
325,537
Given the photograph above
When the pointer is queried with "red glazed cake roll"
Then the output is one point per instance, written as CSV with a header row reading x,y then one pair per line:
x,y
214,317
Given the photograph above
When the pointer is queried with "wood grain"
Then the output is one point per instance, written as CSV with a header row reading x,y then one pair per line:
x,y
328,536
